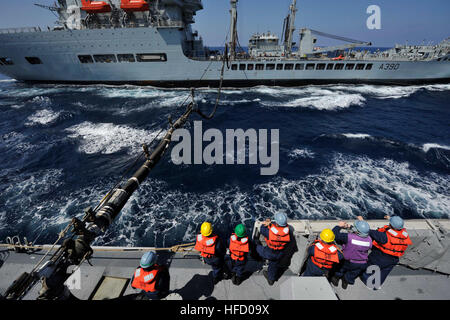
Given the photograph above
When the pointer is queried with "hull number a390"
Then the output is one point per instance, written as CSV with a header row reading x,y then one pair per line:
x,y
390,66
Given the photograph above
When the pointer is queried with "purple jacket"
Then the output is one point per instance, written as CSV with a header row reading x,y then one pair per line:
x,y
357,248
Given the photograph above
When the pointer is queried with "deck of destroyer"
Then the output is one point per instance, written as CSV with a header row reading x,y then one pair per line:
x,y
423,273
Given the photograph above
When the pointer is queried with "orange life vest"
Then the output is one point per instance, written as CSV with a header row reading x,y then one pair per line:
x,y
206,245
145,280
397,242
325,254
278,237
238,247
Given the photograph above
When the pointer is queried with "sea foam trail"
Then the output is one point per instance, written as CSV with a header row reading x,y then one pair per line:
x,y
310,97
427,146
108,138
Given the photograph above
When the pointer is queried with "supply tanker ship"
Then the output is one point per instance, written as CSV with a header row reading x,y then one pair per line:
x,y
152,42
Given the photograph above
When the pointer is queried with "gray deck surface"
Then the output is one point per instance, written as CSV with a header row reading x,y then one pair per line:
x,y
190,278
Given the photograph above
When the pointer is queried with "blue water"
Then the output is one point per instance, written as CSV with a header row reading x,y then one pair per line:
x,y
345,150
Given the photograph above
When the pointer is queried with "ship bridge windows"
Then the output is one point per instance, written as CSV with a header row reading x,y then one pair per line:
x,y
105,58
279,66
242,67
330,66
259,66
85,59
250,67
349,66
289,66
339,66
234,67
300,66
310,66
6,61
126,57
151,57
369,66
33,60
320,66
360,66
270,66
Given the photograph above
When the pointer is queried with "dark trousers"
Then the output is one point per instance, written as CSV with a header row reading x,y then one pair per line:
x,y
350,271
217,264
273,257
312,270
384,261
149,295
238,267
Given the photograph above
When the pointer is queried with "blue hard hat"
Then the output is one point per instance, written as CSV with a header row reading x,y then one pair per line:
x,y
281,219
396,222
148,259
362,228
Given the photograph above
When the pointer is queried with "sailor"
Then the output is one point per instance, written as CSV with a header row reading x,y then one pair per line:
x,y
355,246
389,244
277,235
151,278
213,252
324,255
239,246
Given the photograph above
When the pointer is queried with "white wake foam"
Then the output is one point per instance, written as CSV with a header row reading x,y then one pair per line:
x,y
427,146
310,97
357,135
42,117
301,153
109,138
18,142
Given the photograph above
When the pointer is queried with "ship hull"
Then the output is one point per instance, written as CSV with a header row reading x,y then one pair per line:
x,y
248,83
59,52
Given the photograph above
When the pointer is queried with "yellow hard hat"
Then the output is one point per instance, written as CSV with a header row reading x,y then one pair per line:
x,y
327,235
206,229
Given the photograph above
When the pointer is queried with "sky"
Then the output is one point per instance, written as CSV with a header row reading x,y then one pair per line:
x,y
402,21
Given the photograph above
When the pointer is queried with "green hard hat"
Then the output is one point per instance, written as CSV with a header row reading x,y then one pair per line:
x,y
240,230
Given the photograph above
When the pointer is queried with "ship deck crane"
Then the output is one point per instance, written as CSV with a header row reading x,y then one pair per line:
x,y
307,42
51,8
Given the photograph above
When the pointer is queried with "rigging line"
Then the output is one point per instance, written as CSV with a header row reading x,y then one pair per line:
x,y
62,234
209,117
106,197
237,38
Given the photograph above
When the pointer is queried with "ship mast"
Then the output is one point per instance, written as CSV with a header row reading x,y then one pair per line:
x,y
233,29
290,28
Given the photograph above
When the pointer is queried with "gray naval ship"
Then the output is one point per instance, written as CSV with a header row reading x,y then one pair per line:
x,y
74,268
152,43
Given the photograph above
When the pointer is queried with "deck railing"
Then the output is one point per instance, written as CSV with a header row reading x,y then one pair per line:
x,y
20,30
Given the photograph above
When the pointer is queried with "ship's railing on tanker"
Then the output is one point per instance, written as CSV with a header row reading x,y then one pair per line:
x,y
20,30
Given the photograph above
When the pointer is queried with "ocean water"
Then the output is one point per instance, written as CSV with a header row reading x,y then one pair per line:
x,y
345,150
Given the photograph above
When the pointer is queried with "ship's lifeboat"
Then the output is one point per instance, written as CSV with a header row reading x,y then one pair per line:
x,y
341,57
95,6
134,5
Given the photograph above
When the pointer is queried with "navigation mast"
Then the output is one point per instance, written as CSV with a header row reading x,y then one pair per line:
x,y
233,29
290,28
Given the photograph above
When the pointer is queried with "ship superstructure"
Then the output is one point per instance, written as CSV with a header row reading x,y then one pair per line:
x,y
152,42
